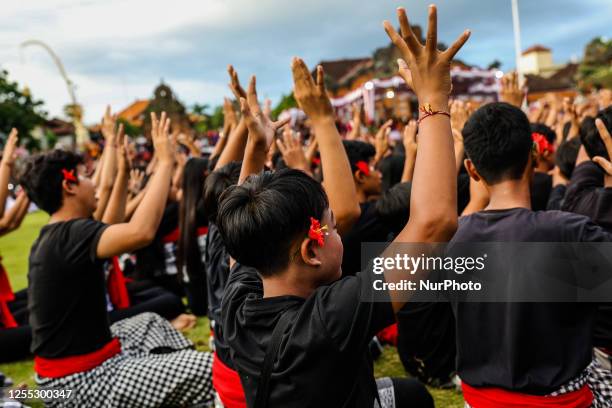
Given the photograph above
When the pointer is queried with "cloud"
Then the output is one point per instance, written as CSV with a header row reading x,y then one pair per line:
x,y
118,50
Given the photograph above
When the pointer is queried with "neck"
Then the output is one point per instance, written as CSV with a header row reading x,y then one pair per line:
x,y
361,196
510,194
288,283
68,212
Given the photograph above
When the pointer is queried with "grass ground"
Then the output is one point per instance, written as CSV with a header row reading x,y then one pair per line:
x,y
15,248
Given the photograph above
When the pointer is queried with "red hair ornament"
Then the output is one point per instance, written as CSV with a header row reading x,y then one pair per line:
x,y
363,167
69,175
542,143
317,232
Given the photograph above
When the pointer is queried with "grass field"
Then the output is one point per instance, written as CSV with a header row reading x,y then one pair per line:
x,y
15,247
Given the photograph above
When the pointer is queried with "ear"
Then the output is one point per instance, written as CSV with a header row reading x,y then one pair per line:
x,y
471,169
309,252
359,177
69,188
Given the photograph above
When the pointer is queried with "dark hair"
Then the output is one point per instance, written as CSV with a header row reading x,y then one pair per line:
x,y
357,151
544,130
589,135
191,212
565,156
497,139
42,177
260,219
216,183
393,207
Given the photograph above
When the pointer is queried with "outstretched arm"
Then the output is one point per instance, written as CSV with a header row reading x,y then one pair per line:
x,y
141,229
313,100
115,211
433,201
6,166
235,145
110,161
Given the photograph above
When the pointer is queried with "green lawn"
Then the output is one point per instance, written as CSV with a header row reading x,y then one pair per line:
x,y
15,247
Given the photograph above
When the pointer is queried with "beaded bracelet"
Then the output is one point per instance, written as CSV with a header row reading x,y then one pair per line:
x,y
427,111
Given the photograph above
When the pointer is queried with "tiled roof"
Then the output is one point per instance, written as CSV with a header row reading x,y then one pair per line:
x,y
536,48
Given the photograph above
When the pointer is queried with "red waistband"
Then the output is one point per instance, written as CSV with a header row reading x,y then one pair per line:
x,y
61,367
227,384
6,295
497,397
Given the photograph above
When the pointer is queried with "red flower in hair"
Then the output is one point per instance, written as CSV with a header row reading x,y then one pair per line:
x,y
69,175
316,231
542,143
363,167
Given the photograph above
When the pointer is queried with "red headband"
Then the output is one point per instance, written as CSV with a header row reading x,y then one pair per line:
x,y
69,175
316,231
363,167
542,143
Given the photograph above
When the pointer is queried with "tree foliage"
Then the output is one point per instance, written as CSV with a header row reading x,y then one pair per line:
x,y
596,66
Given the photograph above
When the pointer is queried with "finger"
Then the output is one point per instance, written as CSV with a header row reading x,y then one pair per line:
x,y
605,164
252,97
320,79
404,72
605,135
167,127
13,134
153,122
120,134
397,40
456,46
431,42
280,123
409,38
281,146
301,74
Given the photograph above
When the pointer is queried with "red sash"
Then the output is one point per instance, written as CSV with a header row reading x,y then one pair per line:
x,y
202,231
388,335
7,321
227,383
497,397
117,291
61,367
171,237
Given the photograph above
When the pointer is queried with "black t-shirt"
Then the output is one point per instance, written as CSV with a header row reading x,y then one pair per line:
x,y
66,290
532,348
323,358
541,187
217,271
368,228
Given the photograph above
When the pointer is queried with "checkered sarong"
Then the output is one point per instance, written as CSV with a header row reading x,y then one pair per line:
x,y
157,367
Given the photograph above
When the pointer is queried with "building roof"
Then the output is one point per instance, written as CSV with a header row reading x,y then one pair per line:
x,y
561,80
337,70
536,48
133,112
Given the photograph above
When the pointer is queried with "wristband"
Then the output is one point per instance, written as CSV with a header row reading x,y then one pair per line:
x,y
427,111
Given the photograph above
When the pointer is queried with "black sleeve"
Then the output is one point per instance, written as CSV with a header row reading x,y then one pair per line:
x,y
349,313
555,200
81,243
602,210
580,195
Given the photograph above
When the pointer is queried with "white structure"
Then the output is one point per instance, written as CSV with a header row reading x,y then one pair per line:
x,y
537,60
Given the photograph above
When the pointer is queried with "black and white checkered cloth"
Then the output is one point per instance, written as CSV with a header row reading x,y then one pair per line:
x,y
157,367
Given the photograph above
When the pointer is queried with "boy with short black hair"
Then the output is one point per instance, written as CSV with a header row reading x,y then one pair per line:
x,y
142,361
518,341
298,335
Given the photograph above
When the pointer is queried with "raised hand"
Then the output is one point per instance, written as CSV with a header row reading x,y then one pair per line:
x,y
160,135
234,84
381,140
109,122
135,182
424,68
8,154
510,91
311,96
409,137
459,114
261,128
605,164
122,153
291,147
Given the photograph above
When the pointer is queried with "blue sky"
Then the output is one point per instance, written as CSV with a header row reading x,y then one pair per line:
x,y
117,50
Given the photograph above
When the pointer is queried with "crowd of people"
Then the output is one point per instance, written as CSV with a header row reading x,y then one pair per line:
x,y
263,236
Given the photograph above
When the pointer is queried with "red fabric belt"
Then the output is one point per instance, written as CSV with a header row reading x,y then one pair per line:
x,y
227,383
496,397
171,237
202,231
6,295
61,367
388,335
117,291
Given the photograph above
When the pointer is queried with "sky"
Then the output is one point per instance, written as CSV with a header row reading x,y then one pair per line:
x,y
117,51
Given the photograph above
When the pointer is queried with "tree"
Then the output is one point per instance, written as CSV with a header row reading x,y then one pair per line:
x,y
286,102
19,110
596,66
496,64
